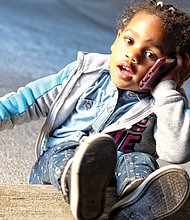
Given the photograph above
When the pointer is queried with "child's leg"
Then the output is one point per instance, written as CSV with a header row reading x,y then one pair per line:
x,y
159,195
82,179
90,172
131,169
48,168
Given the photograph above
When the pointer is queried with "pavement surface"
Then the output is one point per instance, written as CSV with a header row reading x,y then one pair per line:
x,y
38,38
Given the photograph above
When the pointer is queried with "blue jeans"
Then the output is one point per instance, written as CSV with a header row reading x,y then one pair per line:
x,y
49,166
131,166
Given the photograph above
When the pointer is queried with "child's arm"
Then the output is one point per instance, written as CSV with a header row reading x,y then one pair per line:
x,y
172,133
32,101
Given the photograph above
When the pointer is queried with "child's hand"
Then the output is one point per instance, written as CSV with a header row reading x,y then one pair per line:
x,y
181,72
185,72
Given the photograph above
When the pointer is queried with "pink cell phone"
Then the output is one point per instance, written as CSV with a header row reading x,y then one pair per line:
x,y
156,72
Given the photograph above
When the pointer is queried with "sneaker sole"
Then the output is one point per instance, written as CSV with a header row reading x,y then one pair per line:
x,y
92,169
160,195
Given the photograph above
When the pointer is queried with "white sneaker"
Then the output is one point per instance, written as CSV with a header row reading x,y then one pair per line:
x,y
161,194
92,169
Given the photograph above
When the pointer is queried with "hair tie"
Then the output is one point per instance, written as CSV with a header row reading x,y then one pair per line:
x,y
160,4
124,21
172,10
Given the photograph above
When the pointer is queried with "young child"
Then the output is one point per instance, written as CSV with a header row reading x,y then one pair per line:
x,y
101,127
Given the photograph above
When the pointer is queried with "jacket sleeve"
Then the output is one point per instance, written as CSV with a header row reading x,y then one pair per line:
x,y
32,101
172,131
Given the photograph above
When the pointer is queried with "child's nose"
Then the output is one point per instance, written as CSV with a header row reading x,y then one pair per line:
x,y
133,57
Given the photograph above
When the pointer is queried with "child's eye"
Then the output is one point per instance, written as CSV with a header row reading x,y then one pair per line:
x,y
151,55
128,41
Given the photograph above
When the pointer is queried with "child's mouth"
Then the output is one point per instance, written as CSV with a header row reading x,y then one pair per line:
x,y
125,72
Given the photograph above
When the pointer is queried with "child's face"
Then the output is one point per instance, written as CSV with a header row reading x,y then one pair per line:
x,y
135,50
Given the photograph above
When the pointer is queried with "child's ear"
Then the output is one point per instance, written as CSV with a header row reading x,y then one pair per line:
x,y
117,36
119,33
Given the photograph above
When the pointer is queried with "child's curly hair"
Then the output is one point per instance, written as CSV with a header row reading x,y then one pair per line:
x,y
176,22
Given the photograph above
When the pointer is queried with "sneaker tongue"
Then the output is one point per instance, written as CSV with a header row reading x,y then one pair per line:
x,y
131,186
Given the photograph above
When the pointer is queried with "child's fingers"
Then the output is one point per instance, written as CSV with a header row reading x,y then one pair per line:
x,y
186,63
185,71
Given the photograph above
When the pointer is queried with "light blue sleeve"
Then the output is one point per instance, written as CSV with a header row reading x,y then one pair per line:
x,y
34,100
